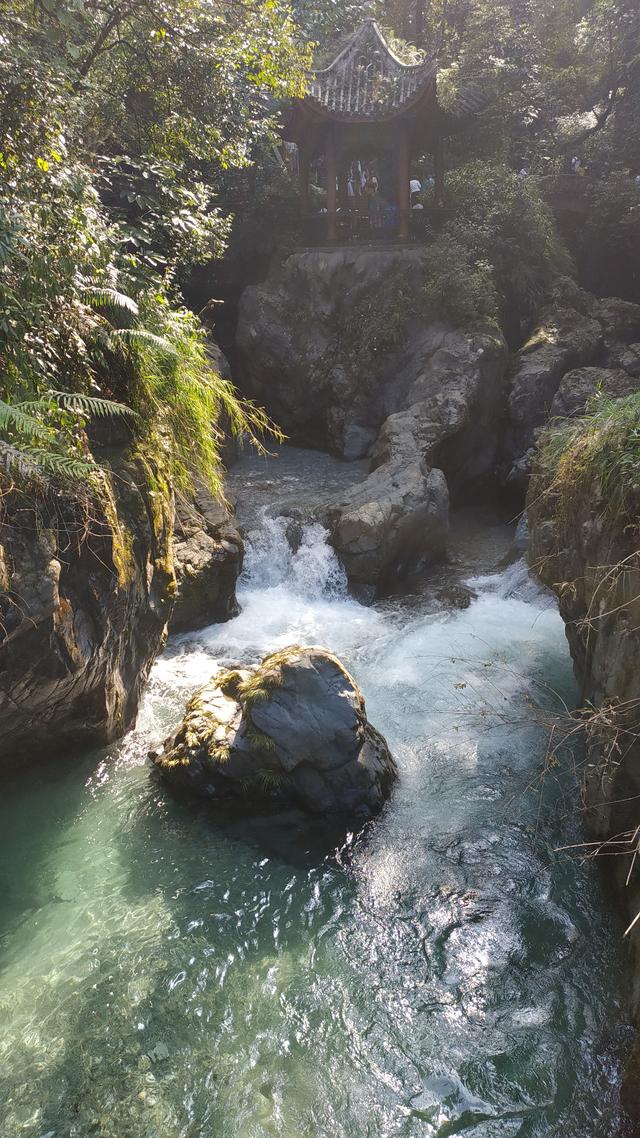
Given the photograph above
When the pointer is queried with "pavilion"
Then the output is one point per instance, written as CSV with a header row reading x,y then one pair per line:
x,y
368,101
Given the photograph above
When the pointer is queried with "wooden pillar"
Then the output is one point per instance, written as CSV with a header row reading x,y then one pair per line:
x,y
403,175
343,179
438,169
332,229
304,173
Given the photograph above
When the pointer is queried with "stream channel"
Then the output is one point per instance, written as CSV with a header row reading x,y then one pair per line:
x,y
165,973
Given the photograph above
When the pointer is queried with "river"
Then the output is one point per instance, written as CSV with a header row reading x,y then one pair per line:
x,y
167,974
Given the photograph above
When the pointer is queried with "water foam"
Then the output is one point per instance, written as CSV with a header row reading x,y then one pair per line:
x,y
440,984
311,569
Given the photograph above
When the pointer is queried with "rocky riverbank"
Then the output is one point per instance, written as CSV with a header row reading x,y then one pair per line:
x,y
587,554
336,345
87,585
91,579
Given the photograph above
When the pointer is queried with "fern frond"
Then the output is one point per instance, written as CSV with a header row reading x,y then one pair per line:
x,y
141,337
79,404
14,460
18,417
109,299
92,405
32,460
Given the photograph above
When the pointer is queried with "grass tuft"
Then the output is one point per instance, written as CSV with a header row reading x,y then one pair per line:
x,y
596,456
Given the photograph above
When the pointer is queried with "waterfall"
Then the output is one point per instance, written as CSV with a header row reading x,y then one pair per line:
x,y
286,552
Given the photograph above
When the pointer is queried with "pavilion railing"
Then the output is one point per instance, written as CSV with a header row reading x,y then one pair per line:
x,y
360,227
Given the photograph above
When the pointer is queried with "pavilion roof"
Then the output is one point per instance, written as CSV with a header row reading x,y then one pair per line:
x,y
367,80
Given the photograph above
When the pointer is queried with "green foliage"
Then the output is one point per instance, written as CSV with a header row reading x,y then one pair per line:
x,y
608,245
596,458
44,437
458,287
267,218
165,225
118,124
378,322
503,235
327,20
176,390
259,740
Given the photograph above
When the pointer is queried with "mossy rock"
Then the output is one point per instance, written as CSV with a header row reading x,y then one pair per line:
x,y
293,728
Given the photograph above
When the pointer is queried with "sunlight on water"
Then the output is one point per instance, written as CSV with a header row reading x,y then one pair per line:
x,y
164,974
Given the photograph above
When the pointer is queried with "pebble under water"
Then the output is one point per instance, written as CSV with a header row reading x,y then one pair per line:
x,y
166,974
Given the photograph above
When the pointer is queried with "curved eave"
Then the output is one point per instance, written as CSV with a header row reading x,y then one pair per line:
x,y
360,34
379,115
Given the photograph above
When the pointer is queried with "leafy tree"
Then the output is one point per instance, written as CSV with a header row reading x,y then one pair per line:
x,y
119,119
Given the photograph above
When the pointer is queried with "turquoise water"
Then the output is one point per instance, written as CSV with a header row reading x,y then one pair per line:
x,y
166,974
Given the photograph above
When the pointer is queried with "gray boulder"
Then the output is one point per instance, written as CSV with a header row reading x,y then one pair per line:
x,y
394,521
445,435
630,360
565,339
619,319
207,554
578,335
579,386
293,728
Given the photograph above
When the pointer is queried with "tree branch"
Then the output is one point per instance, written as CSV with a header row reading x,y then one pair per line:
x,y
601,120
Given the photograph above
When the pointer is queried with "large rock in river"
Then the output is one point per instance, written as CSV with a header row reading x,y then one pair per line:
x,y
341,347
294,727
442,438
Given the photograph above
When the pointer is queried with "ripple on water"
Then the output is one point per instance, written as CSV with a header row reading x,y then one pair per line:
x,y
164,974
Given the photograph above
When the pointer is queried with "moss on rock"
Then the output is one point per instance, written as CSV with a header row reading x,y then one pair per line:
x,y
292,728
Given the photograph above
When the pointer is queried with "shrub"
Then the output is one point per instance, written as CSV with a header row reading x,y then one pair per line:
x,y
597,457
502,222
458,288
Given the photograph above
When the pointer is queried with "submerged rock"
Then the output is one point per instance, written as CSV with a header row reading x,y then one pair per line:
x,y
292,728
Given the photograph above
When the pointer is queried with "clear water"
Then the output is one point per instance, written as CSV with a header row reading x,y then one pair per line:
x,y
166,975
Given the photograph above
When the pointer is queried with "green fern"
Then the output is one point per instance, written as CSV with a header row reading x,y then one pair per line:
x,y
29,461
80,404
33,443
19,419
141,337
108,299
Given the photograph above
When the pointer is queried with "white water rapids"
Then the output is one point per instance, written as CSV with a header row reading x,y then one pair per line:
x,y
164,974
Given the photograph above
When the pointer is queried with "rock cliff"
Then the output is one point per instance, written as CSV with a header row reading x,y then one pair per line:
x,y
339,347
87,584
588,555
577,332
208,552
